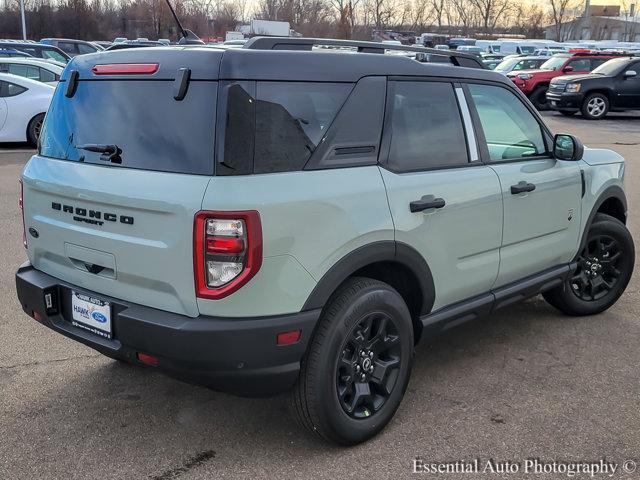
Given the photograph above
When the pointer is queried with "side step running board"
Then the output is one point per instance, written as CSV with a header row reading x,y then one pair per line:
x,y
482,305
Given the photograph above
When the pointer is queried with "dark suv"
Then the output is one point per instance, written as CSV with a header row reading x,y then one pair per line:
x,y
614,85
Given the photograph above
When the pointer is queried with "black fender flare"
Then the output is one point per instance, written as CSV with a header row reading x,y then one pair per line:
x,y
382,251
612,191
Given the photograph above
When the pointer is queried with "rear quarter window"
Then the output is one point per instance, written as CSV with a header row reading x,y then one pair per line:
x,y
276,126
154,131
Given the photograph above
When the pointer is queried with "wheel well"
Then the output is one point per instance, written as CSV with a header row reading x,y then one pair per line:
x,y
404,281
603,92
613,207
32,119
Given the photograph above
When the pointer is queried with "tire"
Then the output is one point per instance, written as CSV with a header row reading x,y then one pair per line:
x,y
324,399
33,129
567,113
539,98
595,106
604,269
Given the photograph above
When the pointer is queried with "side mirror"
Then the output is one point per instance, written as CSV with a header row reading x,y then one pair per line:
x,y
630,74
568,68
567,147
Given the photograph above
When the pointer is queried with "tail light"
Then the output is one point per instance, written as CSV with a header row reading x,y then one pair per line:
x,y
227,251
21,205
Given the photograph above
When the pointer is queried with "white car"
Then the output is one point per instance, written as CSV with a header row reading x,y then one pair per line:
x,y
35,69
23,104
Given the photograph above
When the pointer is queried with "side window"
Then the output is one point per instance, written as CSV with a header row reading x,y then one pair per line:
x,y
426,127
511,131
10,89
596,62
52,55
277,128
67,47
580,65
47,76
82,48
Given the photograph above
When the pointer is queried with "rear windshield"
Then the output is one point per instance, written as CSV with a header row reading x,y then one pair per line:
x,y
151,129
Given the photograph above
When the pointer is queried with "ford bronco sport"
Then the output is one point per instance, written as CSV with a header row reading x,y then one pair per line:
x,y
263,220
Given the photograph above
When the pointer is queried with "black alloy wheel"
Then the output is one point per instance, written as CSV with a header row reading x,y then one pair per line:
x,y
368,367
598,269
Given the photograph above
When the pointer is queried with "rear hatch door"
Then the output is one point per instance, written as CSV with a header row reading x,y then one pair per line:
x,y
121,171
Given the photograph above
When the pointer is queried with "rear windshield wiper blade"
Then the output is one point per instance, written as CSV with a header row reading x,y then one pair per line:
x,y
110,153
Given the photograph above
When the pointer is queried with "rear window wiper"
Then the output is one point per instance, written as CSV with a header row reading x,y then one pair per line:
x,y
110,153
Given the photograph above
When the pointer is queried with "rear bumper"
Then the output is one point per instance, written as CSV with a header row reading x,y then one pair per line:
x,y
565,101
234,355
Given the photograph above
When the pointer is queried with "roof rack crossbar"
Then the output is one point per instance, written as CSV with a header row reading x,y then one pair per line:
x,y
298,43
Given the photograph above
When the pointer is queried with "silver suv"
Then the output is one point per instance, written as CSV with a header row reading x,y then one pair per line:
x,y
286,218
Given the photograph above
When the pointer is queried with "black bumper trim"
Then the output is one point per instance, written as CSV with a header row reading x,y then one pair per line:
x,y
234,355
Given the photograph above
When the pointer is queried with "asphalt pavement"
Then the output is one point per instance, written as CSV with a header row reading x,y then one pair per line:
x,y
524,383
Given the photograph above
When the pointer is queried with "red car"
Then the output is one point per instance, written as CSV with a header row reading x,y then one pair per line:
x,y
534,83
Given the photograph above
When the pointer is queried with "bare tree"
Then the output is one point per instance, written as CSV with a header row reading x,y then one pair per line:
x,y
490,12
560,15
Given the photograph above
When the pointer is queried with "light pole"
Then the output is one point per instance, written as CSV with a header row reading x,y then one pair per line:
x,y
24,23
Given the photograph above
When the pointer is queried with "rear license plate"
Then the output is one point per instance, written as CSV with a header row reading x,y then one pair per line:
x,y
91,314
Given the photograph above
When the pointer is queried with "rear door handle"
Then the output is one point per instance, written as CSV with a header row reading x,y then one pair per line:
x,y
522,187
425,203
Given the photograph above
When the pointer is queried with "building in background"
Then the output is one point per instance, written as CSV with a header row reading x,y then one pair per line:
x,y
600,22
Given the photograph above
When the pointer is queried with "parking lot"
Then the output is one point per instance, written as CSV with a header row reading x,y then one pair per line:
x,y
524,383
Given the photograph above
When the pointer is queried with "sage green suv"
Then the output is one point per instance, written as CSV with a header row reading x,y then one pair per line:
x,y
282,217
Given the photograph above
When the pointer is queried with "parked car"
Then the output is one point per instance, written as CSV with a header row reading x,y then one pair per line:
x,y
613,86
38,50
102,43
23,104
493,56
518,63
12,53
491,64
33,68
71,46
133,44
534,83
471,49
442,47
263,220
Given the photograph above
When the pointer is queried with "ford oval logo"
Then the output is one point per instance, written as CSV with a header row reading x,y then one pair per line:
x,y
98,317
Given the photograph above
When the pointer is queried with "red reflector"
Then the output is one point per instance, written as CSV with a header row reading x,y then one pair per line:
x,y
125,69
37,316
225,246
287,338
147,359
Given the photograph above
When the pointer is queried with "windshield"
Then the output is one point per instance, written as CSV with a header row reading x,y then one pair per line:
x,y
553,63
611,67
507,65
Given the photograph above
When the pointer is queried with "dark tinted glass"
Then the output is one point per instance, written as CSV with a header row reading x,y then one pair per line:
x,y
580,65
154,131
291,119
426,128
10,89
47,76
277,128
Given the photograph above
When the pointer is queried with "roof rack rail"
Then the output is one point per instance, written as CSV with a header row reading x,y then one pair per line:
x,y
427,54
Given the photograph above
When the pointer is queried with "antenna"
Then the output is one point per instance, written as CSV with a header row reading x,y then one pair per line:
x,y
188,37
